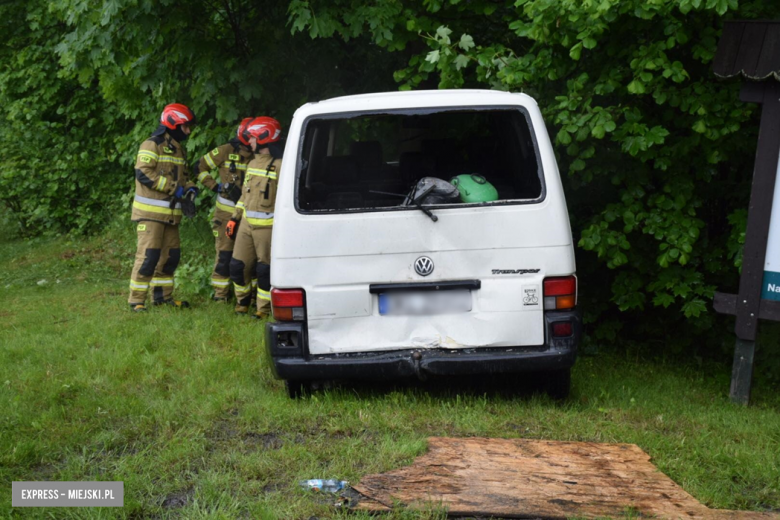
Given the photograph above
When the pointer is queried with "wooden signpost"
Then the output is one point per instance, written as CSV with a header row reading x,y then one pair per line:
x,y
751,49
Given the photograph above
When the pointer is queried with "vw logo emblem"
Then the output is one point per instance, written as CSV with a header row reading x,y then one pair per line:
x,y
423,266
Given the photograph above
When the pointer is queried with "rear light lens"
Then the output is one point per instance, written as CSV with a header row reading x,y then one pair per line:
x,y
560,292
288,304
562,329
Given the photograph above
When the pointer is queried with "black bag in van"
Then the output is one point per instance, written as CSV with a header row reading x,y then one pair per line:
x,y
432,191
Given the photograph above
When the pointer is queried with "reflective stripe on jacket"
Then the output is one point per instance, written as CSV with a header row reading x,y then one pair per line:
x,y
258,195
224,164
160,167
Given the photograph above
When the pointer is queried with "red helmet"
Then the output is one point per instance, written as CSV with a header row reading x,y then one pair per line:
x,y
176,114
267,130
242,134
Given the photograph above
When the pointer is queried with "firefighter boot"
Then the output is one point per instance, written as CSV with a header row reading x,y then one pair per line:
x,y
241,269
178,304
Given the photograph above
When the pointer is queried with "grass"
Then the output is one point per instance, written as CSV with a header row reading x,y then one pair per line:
x,y
182,407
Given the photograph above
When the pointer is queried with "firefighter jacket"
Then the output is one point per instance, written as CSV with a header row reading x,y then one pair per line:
x,y
258,196
160,168
225,164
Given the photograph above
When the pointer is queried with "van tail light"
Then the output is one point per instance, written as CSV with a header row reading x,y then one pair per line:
x,y
560,292
562,329
288,304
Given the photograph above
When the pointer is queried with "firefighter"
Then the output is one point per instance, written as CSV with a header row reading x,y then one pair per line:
x,y
255,212
161,183
229,161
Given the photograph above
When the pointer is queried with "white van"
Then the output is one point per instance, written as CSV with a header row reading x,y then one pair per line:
x,y
421,233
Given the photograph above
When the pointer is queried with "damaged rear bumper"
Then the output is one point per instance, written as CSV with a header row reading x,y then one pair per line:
x,y
287,347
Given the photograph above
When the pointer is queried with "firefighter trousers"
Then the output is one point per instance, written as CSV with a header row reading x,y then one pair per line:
x,y
252,252
156,259
220,278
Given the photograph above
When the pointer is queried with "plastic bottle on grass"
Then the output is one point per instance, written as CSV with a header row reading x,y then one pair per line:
x,y
328,486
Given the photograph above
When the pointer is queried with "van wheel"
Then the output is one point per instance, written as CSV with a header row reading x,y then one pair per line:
x,y
558,384
296,389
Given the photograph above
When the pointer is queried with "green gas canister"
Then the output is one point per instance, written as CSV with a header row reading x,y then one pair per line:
x,y
474,188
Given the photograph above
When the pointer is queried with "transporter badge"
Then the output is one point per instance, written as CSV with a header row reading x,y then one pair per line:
x,y
423,266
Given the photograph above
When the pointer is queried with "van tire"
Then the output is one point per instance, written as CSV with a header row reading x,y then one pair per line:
x,y
297,389
558,384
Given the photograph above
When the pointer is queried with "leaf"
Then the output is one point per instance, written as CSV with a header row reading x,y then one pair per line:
x,y
461,61
563,137
432,56
589,43
443,34
598,132
663,300
576,51
466,42
694,308
636,87
656,135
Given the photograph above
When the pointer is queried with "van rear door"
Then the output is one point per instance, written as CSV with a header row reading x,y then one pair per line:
x,y
378,272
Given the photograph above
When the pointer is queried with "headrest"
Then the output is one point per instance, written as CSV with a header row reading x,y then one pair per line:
x,y
367,153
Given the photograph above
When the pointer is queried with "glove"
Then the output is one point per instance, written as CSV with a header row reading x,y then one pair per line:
x,y
232,228
188,208
179,193
221,188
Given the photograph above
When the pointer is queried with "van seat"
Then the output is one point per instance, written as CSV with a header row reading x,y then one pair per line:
x,y
339,174
368,155
340,171
482,157
448,156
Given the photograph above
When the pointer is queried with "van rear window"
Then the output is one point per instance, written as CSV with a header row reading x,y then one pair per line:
x,y
399,160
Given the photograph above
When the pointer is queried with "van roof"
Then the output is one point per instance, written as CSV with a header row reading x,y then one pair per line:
x,y
414,99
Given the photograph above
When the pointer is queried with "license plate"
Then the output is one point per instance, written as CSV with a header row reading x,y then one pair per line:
x,y
425,303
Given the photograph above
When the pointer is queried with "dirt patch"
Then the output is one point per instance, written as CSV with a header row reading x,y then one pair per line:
x,y
222,431
178,499
269,441
225,432
46,471
272,488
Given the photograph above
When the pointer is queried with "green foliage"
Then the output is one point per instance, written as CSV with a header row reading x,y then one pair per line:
x,y
656,152
83,83
56,175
